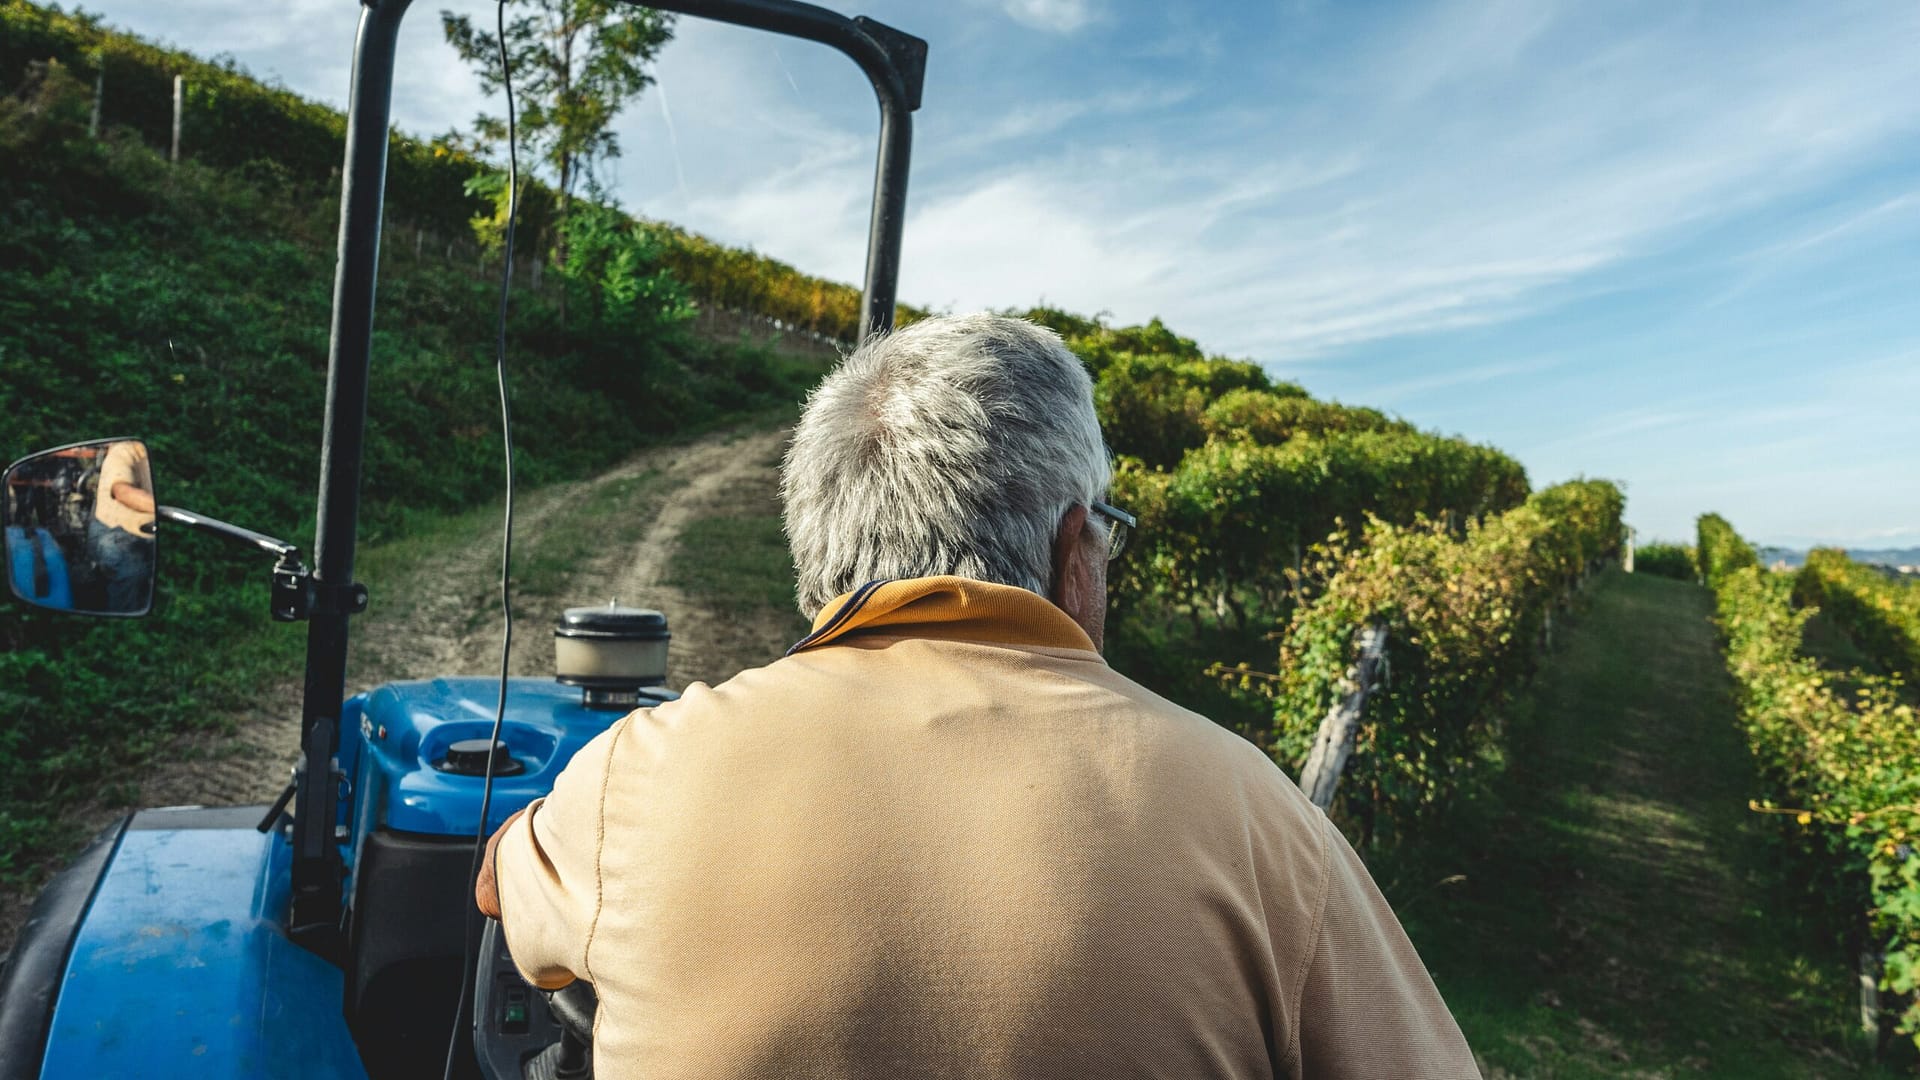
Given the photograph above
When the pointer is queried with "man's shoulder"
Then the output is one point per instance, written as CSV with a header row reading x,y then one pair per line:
x,y
877,677
876,669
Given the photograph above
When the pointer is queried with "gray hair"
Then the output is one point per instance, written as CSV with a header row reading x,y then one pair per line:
x,y
952,446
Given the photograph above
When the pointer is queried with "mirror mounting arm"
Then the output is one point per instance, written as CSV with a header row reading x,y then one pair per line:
x,y
265,543
296,595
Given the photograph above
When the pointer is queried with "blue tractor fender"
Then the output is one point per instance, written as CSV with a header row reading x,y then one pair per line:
x,y
38,567
162,953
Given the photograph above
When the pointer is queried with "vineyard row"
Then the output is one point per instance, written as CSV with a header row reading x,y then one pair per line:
x,y
1838,751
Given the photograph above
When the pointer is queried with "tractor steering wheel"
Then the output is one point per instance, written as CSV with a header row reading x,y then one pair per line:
x,y
575,1006
521,1033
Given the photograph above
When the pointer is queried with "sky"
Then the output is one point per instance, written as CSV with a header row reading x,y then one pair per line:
x,y
1668,243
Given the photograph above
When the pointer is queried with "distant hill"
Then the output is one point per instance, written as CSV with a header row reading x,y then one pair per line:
x,y
1887,556
1892,558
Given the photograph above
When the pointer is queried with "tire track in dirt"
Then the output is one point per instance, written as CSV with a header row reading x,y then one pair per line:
x,y
708,646
447,620
441,617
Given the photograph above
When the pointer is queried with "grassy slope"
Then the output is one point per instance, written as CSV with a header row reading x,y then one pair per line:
x,y
1607,906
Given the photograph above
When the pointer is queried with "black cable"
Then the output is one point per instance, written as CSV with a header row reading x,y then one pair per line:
x,y
506,544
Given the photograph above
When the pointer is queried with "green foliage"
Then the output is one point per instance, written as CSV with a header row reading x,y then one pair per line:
x,y
1065,323
281,140
1606,864
1152,405
576,64
1099,345
616,277
1879,612
1839,751
1232,475
49,99
1665,560
744,281
1227,526
1721,551
230,120
1464,615
1273,416
490,225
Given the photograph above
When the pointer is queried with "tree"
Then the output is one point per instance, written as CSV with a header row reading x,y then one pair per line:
x,y
576,64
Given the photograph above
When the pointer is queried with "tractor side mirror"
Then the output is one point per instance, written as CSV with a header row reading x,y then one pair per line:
x,y
80,528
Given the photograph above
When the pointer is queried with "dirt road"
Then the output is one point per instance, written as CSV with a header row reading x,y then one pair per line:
x,y
436,608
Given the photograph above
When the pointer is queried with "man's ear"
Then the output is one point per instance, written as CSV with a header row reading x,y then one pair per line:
x,y
1070,591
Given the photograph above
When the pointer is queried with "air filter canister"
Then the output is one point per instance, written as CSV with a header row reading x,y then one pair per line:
x,y
611,652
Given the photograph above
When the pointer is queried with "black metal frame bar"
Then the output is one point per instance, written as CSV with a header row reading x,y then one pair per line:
x,y
314,920
893,61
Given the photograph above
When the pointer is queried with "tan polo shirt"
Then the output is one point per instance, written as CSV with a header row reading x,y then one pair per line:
x,y
944,839
126,462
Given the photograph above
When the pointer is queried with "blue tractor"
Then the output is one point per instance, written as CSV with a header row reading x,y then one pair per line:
x,y
333,933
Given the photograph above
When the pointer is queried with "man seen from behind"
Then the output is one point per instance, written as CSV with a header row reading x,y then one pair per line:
x,y
941,837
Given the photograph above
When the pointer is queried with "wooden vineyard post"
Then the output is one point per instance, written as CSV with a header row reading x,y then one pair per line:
x,y
179,99
1869,992
1626,559
1333,744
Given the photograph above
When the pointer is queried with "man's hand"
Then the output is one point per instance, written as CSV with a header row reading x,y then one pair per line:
x,y
486,889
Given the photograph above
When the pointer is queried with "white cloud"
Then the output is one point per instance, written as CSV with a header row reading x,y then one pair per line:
x,y
815,211
1030,119
1631,422
1462,41
1775,256
1059,16
1390,393
1018,239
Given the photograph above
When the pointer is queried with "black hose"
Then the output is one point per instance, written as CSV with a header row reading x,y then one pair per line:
x,y
506,544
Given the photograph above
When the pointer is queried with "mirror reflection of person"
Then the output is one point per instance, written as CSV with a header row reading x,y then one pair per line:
x,y
119,536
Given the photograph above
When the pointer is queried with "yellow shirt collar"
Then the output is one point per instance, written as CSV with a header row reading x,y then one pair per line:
x,y
951,608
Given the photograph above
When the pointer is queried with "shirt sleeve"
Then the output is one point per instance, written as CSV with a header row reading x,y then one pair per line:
x,y
116,467
1368,1007
547,868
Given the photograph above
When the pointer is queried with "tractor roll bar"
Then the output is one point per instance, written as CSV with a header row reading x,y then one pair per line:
x,y
315,916
893,61
896,64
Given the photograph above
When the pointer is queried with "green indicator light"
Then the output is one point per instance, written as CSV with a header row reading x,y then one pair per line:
x,y
516,1013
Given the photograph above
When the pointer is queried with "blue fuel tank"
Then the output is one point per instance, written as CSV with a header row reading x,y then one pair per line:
x,y
401,777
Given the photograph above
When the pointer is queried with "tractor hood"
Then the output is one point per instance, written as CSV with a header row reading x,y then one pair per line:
x,y
182,966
